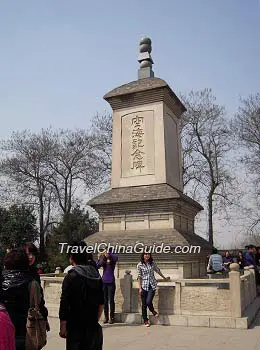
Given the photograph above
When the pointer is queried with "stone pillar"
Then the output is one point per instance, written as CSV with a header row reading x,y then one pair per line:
x,y
171,220
247,286
57,270
123,225
146,221
253,283
126,287
177,299
100,225
235,290
43,284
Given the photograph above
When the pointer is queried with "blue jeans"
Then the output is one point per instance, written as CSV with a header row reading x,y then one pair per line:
x,y
147,301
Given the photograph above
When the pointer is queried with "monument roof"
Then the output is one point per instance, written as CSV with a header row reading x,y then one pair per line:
x,y
141,193
137,86
143,91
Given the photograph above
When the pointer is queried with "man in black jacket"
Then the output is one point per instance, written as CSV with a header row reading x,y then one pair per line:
x,y
82,302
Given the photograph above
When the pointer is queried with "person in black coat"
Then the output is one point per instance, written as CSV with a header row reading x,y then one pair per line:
x,y
241,260
82,302
32,253
16,284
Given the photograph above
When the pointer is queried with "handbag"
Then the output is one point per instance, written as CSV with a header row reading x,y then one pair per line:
x,y
36,332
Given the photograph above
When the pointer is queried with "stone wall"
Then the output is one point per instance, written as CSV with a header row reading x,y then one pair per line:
x,y
52,293
199,300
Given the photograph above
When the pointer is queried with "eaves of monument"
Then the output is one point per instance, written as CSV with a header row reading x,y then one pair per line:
x,y
144,91
142,194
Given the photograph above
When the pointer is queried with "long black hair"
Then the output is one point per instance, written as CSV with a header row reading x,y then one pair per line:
x,y
104,259
16,259
142,258
32,249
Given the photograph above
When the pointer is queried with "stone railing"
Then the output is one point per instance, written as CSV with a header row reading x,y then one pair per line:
x,y
215,297
190,302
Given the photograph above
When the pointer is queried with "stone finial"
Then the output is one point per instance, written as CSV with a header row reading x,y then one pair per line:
x,y
57,270
145,59
234,267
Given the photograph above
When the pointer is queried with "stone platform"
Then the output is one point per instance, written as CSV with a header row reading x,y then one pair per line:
x,y
196,321
158,337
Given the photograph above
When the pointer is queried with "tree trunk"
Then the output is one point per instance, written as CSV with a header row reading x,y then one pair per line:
x,y
210,217
42,247
41,224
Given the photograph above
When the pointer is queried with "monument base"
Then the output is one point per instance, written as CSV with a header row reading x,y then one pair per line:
x,y
179,255
158,218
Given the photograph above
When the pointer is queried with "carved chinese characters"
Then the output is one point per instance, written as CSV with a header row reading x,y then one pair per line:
x,y
137,143
137,156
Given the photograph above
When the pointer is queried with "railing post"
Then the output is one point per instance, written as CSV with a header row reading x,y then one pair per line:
x,y
247,286
235,290
43,284
248,289
253,282
177,298
57,270
126,287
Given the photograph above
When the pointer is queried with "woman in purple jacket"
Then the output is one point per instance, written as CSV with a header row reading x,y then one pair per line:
x,y
108,261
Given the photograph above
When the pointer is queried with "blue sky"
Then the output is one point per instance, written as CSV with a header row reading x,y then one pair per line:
x,y
58,58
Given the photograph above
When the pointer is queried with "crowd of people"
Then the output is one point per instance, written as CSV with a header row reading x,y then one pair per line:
x,y
16,280
85,296
250,257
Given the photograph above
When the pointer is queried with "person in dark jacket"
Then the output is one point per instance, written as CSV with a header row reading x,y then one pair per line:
x,y
257,256
250,261
241,260
16,282
82,302
32,253
249,256
227,260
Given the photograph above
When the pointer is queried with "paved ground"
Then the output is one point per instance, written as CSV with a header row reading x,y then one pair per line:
x,y
169,337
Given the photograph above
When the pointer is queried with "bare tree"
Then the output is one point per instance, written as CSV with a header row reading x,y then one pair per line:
x,y
23,167
69,165
206,143
246,130
101,133
50,170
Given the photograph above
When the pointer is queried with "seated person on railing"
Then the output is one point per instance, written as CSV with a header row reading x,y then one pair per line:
x,y
250,261
250,256
227,260
241,260
257,256
215,263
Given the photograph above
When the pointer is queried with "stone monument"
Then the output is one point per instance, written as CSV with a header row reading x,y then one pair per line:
x,y
146,203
